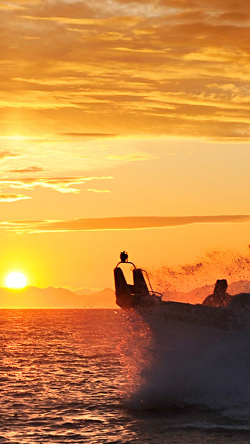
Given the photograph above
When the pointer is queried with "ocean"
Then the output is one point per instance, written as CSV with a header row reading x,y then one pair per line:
x,y
104,376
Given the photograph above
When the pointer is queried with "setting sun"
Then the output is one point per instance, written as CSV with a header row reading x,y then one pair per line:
x,y
16,280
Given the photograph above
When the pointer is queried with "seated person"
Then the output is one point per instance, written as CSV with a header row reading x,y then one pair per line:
x,y
220,297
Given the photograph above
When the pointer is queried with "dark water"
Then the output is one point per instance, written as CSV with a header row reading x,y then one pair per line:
x,y
99,376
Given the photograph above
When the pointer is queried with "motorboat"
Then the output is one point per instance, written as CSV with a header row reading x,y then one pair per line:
x,y
140,297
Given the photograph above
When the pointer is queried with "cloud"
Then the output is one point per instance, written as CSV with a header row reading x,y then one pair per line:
x,y
32,38
6,154
87,135
63,184
98,191
32,169
118,223
126,67
13,197
10,7
133,157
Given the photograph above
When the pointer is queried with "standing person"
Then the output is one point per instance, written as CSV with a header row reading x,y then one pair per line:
x,y
124,256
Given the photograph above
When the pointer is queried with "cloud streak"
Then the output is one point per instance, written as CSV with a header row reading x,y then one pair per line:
x,y
89,135
60,184
32,169
13,197
6,154
118,223
94,190
143,67
132,157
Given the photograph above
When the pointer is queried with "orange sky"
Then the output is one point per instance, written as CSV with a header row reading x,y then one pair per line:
x,y
127,110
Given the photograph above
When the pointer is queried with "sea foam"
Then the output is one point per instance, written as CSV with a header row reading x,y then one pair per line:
x,y
178,365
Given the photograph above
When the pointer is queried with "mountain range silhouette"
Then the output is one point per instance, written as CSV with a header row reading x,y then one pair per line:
x,y
46,298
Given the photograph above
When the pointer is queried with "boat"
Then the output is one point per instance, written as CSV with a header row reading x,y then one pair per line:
x,y
140,297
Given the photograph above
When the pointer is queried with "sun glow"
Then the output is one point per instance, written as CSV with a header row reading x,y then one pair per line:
x,y
16,280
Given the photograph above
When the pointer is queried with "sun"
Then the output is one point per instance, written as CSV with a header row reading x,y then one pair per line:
x,y
16,280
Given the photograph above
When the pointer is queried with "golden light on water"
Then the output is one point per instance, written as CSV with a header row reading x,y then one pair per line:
x,y
16,280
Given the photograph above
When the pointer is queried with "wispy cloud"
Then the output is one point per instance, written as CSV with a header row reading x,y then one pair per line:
x,y
133,157
33,169
118,223
138,67
94,190
61,184
9,6
13,197
87,135
6,154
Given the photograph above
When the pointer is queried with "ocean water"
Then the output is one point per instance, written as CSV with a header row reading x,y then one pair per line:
x,y
104,376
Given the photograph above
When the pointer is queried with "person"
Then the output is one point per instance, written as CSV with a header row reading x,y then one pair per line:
x,y
220,297
124,256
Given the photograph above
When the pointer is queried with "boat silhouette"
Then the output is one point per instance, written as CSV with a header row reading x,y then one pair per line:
x,y
141,297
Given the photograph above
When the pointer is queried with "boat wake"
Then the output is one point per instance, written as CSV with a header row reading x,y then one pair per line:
x,y
180,365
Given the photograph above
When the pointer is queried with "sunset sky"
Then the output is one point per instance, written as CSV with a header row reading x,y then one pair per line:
x,y
124,125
